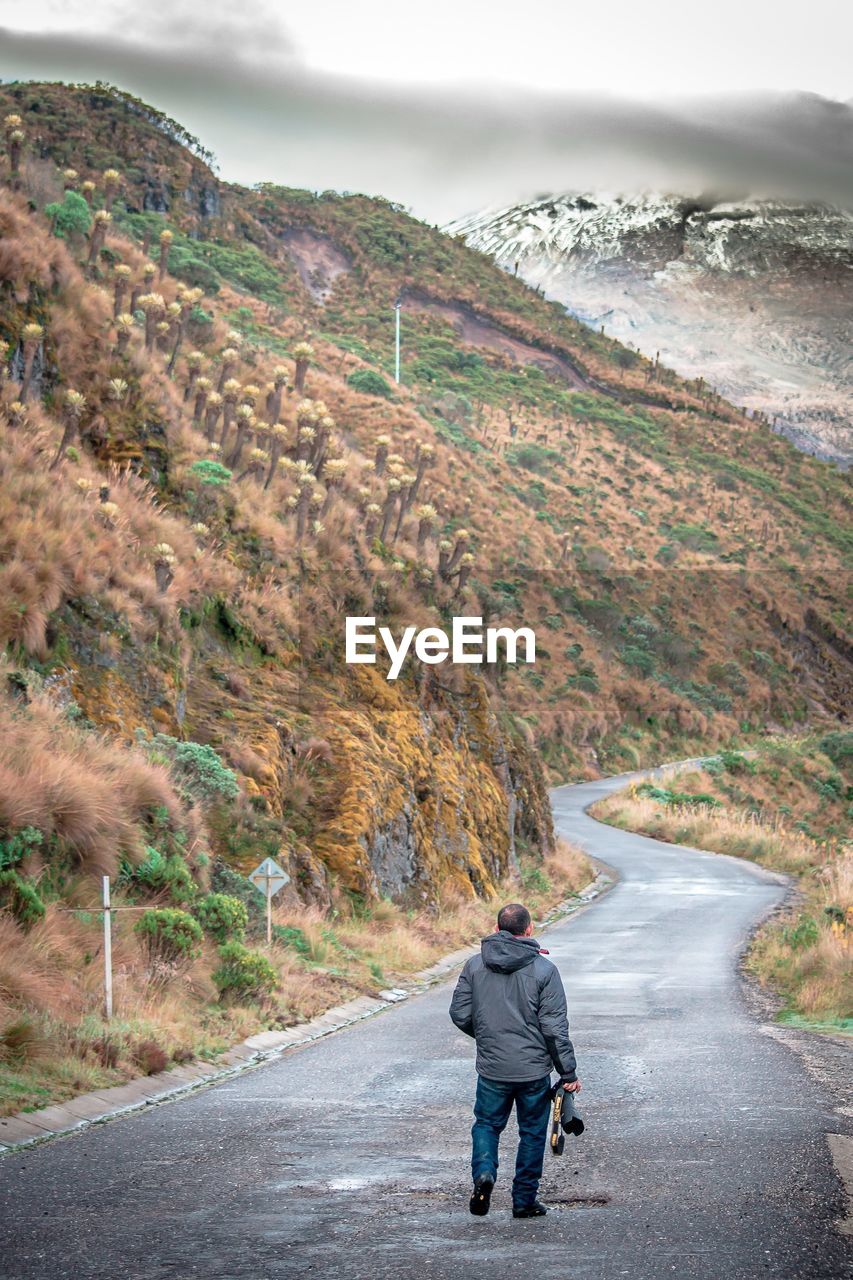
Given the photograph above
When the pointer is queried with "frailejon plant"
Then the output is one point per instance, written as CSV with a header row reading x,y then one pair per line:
x,y
333,475
142,286
164,562
195,364
32,336
153,306
202,387
226,371
230,391
212,410
245,424
13,126
97,238
72,411
273,403
302,354
278,443
124,328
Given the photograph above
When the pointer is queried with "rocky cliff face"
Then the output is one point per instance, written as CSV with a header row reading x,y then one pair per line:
x,y
755,296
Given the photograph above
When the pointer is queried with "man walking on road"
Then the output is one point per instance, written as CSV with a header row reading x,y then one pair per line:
x,y
511,1000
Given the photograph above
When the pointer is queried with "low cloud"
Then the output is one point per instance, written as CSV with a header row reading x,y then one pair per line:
x,y
445,153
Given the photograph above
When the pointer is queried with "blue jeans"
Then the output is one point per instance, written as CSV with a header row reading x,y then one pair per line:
x,y
492,1110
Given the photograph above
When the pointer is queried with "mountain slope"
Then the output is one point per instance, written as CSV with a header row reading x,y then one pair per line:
x,y
565,484
755,296
205,467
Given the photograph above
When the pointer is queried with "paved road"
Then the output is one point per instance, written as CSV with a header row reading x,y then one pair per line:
x,y
704,1155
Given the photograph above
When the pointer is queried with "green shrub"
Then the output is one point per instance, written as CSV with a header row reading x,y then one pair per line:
x,y
292,937
159,873
695,536
210,472
534,457
736,762
21,898
584,679
17,844
638,659
196,766
705,696
226,881
223,916
243,974
664,795
535,880
170,935
728,675
667,553
838,746
194,271
805,933
72,217
832,787
370,383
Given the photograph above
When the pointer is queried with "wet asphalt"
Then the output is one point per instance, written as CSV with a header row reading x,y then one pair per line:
x,y
704,1155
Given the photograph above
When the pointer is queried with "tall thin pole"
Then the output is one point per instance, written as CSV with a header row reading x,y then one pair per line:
x,y
108,951
397,344
269,912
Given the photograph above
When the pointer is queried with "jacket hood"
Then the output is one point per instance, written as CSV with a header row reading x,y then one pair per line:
x,y
506,952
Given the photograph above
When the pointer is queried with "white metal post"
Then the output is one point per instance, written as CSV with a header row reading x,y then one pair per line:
x,y
397,345
269,912
108,951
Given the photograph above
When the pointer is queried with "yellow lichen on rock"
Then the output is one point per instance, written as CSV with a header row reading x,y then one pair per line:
x,y
416,807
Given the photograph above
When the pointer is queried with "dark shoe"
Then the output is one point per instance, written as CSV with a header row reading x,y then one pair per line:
x,y
482,1197
535,1210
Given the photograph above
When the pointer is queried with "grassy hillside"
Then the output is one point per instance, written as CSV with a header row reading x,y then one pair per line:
x,y
206,466
788,806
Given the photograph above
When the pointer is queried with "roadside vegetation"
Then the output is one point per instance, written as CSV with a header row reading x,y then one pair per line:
x,y
192,970
789,807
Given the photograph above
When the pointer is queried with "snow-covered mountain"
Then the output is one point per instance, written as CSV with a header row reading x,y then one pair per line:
x,y
755,295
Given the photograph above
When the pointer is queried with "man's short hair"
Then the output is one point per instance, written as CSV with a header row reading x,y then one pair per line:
x,y
514,918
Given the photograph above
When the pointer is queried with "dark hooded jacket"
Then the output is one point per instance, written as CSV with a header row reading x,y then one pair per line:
x,y
511,1000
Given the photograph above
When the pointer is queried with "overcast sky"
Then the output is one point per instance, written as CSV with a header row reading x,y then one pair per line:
x,y
452,105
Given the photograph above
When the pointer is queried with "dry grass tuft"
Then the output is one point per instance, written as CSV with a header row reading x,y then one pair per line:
x,y
88,792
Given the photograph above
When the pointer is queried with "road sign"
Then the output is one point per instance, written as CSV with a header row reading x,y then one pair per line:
x,y
269,877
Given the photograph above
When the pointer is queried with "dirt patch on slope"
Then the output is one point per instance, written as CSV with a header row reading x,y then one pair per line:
x,y
478,332
318,261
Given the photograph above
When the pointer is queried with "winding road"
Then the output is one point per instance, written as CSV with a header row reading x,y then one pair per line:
x,y
705,1153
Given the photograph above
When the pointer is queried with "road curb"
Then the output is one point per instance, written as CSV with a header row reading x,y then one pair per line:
x,y
32,1128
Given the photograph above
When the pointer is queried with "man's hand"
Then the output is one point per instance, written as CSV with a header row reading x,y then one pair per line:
x,y
572,1086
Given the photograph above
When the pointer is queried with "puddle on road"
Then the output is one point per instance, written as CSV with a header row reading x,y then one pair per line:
x,y
351,1184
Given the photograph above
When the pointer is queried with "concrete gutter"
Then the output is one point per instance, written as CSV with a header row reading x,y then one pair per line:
x,y
30,1128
